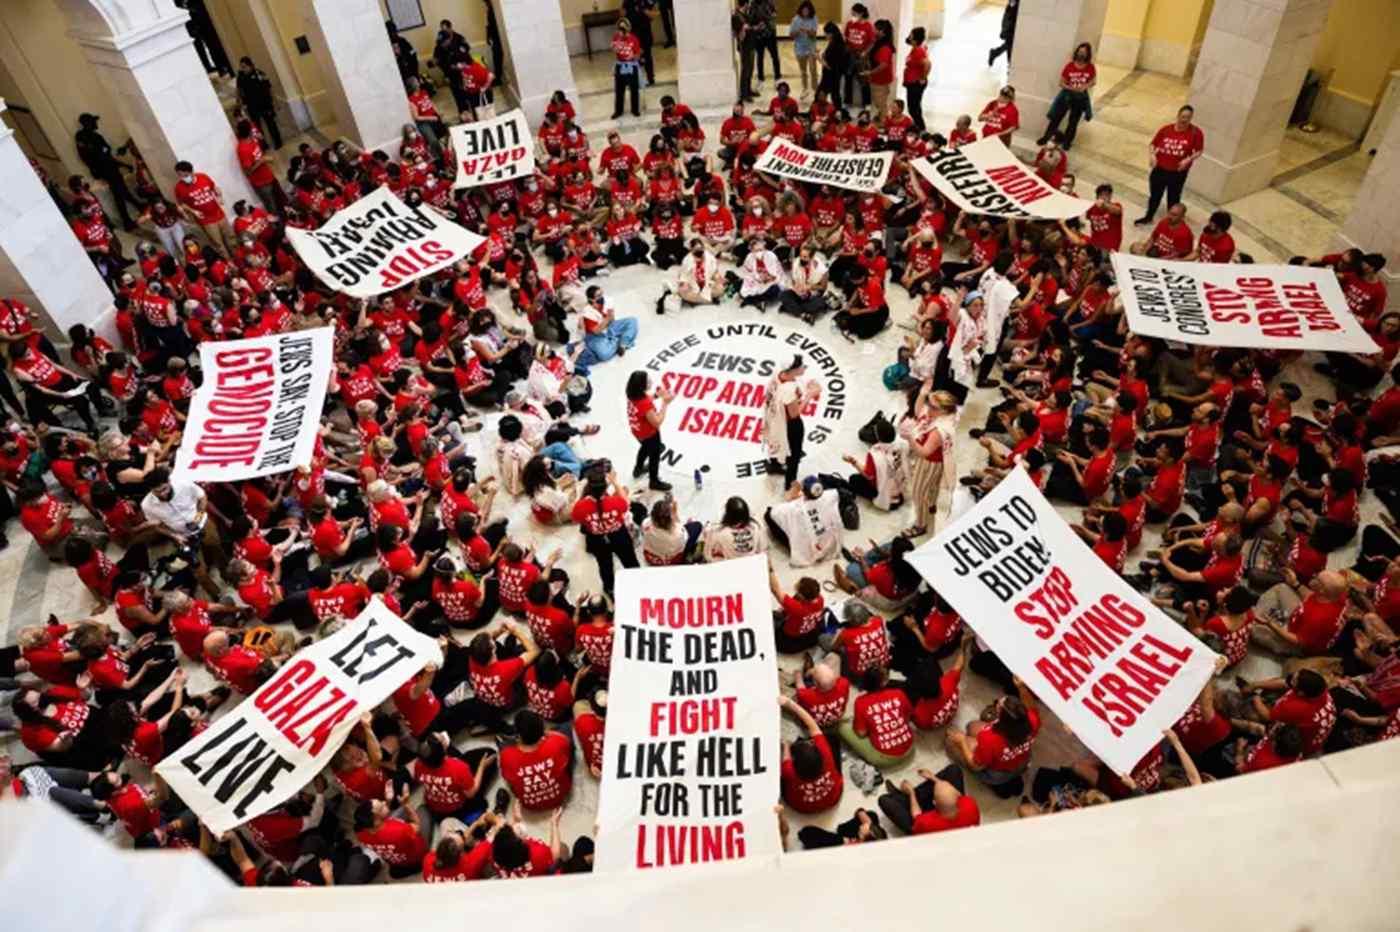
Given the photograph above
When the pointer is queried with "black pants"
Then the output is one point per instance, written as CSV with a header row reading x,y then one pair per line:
x,y
123,196
1075,106
1165,182
896,808
812,836
668,252
852,81
1006,45
267,119
628,252
796,431
769,44
648,62
763,298
604,548
747,52
39,405
668,20
915,104
649,458
793,303
623,82
831,83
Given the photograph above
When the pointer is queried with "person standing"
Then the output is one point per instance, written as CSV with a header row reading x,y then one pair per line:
x,y
638,15
601,511
860,36
1171,153
255,90
451,50
97,155
259,169
667,9
493,39
783,430
803,32
748,37
917,67
765,19
836,61
880,74
628,49
1008,32
1076,80
202,203
645,415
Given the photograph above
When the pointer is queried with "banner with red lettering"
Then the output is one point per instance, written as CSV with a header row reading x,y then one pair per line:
x,y
492,151
1278,307
691,753
985,177
1109,663
379,243
854,171
259,407
278,739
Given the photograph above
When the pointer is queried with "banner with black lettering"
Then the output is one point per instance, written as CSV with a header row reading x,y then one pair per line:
x,y
691,753
854,171
379,243
259,407
495,150
1277,307
1109,663
277,740
985,177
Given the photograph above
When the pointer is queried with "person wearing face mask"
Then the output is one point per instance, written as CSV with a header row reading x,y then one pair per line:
x,y
1077,78
668,238
866,313
917,68
1051,161
762,276
626,70
806,298
734,134
1000,117
604,334
699,280
714,225
202,203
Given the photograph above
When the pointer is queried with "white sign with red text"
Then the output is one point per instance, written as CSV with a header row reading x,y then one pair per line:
x,y
1111,665
1277,307
379,243
853,171
986,178
259,407
691,754
278,739
492,151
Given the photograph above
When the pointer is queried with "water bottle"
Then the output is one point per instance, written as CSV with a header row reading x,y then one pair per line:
x,y
699,480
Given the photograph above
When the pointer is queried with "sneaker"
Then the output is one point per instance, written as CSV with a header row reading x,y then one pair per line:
x,y
660,486
976,433
638,472
1142,221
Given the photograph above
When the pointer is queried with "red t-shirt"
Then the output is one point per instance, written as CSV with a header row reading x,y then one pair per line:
x,y
539,778
935,713
884,718
993,753
589,729
1077,76
446,787
1313,716
249,152
818,794
1172,241
238,668
130,804
551,703
494,682
1316,623
417,712
200,196
1173,146
600,517
931,820
801,618
865,646
396,841
470,866
826,707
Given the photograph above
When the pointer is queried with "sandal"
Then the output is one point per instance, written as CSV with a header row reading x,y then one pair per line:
x,y
910,533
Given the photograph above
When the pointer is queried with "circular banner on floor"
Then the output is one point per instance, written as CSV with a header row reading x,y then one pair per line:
x,y
720,375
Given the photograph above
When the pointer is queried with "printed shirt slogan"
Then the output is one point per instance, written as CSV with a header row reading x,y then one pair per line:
x,y
690,757
493,151
1111,665
1279,307
986,178
379,243
276,740
855,172
259,408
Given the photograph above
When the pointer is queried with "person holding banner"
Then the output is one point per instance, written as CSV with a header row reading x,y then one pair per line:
x,y
1000,117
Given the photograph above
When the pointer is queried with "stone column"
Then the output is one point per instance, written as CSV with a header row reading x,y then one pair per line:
x,y
537,54
1046,33
1374,224
165,99
41,261
705,54
1251,67
362,78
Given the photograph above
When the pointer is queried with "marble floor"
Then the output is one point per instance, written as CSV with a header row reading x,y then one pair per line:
x,y
1271,224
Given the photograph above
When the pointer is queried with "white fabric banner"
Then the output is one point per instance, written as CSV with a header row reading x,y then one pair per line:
x,y
276,740
985,177
854,171
1110,664
499,149
259,407
1278,307
691,753
379,243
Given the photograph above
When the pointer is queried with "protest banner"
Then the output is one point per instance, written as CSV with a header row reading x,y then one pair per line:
x,y
495,150
379,243
985,177
691,754
277,739
1278,307
854,171
1111,665
259,407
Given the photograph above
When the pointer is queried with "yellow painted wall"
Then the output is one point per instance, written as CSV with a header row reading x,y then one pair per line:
x,y
1126,17
468,17
1177,21
287,14
1362,42
1202,22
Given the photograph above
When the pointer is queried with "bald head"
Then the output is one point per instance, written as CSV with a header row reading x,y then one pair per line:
x,y
945,797
1231,513
1331,584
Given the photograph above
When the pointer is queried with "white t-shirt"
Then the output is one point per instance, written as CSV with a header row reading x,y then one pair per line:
x,y
891,473
661,547
780,395
813,527
726,543
997,294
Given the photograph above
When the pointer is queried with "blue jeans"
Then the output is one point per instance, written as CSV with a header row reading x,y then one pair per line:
x,y
600,347
562,459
